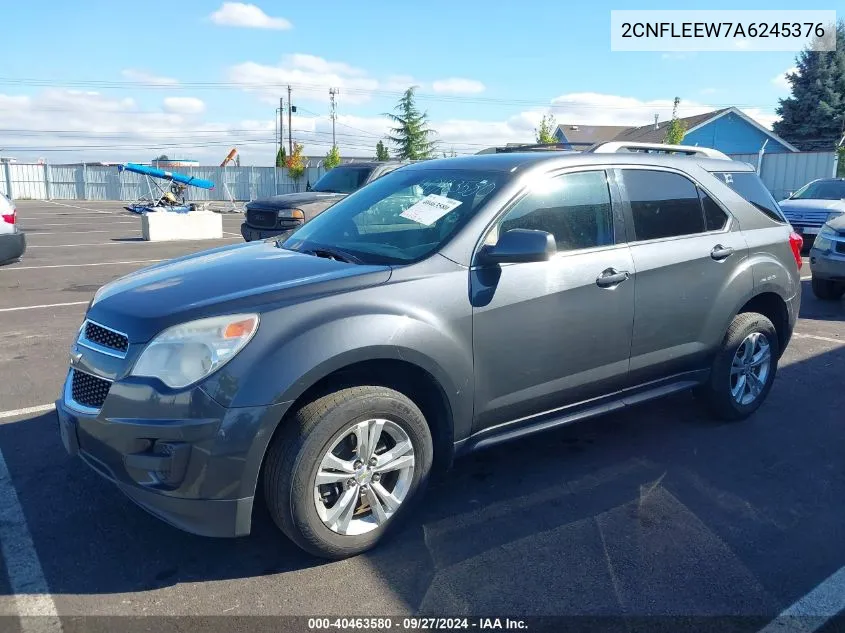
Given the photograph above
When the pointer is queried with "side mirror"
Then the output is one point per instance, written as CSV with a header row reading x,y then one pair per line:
x,y
520,246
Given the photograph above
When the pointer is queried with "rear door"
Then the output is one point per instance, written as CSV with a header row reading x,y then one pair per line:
x,y
690,259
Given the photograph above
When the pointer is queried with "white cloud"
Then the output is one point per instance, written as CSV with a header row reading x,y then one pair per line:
x,y
184,105
98,127
248,16
145,77
457,85
781,81
310,76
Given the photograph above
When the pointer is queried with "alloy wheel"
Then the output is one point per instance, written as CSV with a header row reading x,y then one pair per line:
x,y
750,368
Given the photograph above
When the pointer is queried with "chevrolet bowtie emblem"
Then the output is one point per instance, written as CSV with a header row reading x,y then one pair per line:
x,y
75,357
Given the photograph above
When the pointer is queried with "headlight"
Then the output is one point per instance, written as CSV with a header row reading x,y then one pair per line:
x,y
183,354
291,214
822,241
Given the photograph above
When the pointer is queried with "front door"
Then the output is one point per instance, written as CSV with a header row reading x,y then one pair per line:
x,y
553,333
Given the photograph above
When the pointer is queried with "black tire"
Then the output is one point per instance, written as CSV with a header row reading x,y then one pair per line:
x,y
716,392
294,458
827,290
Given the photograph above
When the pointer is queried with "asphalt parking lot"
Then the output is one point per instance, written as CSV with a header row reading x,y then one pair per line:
x,y
655,511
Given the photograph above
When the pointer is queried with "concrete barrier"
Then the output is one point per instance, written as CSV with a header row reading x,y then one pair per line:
x,y
196,225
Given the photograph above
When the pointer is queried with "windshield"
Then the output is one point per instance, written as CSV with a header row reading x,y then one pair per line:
x,y
821,190
402,217
343,180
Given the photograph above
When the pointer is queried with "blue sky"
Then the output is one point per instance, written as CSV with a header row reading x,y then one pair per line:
x,y
171,73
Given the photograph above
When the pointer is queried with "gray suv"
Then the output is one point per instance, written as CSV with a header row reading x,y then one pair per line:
x,y
445,307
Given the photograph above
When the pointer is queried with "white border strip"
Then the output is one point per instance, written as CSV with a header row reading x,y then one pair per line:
x,y
45,305
133,261
41,408
34,604
813,611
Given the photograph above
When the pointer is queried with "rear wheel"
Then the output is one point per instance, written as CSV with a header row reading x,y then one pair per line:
x,y
827,290
744,369
346,468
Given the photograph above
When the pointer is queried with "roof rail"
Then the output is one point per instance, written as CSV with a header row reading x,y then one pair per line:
x,y
615,147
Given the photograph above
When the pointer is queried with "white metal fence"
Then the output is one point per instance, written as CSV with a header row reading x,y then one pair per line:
x,y
101,182
782,173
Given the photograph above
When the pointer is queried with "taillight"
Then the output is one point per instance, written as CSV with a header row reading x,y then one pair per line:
x,y
11,217
796,242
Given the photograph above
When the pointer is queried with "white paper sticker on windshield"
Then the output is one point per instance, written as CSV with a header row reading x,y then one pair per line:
x,y
430,209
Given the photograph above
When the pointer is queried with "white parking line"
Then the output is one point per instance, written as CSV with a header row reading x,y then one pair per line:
x,y
76,206
820,338
32,228
46,305
234,234
134,261
814,610
126,243
70,232
33,601
41,408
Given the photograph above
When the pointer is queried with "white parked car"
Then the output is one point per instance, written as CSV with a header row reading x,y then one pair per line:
x,y
12,240
814,204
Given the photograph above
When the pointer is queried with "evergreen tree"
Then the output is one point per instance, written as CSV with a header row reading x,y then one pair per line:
x,y
281,157
411,136
381,152
813,117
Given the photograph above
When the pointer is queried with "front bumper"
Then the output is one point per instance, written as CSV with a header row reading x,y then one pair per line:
x,y
827,264
197,472
12,246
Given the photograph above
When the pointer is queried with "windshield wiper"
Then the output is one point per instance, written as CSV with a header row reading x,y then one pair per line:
x,y
326,191
333,253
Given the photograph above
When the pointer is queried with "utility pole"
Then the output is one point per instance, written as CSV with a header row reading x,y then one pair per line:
x,y
281,123
332,93
290,124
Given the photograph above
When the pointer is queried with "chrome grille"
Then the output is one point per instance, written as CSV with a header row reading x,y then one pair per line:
x,y
104,337
88,390
261,219
806,218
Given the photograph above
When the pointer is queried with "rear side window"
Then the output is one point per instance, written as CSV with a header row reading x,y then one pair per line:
x,y
715,218
663,204
749,186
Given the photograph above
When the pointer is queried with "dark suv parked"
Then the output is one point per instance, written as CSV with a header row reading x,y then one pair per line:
x,y
277,215
443,308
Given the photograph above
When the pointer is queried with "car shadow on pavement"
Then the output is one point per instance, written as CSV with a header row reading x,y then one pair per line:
x,y
655,510
816,309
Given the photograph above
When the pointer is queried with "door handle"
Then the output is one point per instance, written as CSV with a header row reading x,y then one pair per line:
x,y
720,252
611,277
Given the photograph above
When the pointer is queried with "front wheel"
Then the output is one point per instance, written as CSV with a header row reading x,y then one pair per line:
x,y
744,369
827,290
346,468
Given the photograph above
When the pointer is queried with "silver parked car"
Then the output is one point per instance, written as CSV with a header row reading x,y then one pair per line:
x,y
827,260
440,309
814,204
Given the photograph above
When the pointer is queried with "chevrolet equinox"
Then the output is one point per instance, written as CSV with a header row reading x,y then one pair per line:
x,y
445,307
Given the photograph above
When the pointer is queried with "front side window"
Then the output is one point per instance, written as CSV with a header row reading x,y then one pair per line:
x,y
663,204
401,217
575,208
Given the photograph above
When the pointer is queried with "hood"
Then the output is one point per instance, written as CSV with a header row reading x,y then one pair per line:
x,y
292,200
244,277
812,205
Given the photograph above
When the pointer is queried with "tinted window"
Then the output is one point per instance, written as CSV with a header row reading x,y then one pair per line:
x,y
575,208
714,217
343,179
749,186
821,190
399,218
663,204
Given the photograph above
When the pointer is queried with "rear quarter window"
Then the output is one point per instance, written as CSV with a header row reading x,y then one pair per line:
x,y
749,186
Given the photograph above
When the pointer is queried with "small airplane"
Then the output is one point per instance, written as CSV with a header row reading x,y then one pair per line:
x,y
164,197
